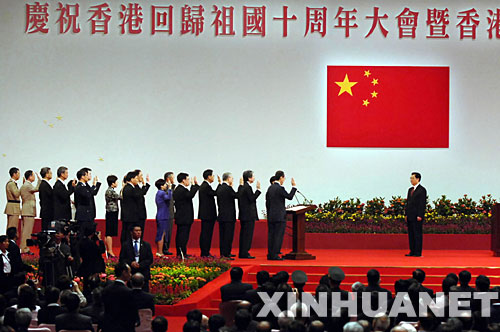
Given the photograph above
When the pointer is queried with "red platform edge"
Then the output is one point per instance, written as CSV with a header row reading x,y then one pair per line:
x,y
323,240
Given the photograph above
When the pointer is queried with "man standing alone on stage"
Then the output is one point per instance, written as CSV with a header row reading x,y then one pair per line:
x,y
276,214
415,213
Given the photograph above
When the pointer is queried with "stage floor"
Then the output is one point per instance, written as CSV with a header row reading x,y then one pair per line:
x,y
352,257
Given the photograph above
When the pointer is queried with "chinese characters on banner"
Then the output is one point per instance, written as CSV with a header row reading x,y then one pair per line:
x,y
319,20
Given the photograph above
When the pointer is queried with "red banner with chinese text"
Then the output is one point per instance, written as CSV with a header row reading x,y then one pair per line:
x,y
387,107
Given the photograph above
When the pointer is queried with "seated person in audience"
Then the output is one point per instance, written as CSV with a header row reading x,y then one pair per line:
x,y
23,320
318,326
252,295
419,276
72,320
191,326
236,290
142,299
3,306
47,314
264,327
159,324
464,277
243,322
216,322
194,315
26,298
96,309
373,278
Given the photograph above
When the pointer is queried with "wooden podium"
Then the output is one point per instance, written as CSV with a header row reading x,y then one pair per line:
x,y
298,214
495,230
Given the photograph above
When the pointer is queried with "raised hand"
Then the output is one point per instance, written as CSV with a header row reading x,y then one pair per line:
x,y
74,182
241,181
219,179
258,185
293,182
95,180
194,179
147,178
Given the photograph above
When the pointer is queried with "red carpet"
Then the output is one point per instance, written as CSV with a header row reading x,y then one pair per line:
x,y
392,265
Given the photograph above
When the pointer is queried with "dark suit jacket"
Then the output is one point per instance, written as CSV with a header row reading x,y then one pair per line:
x,y
62,201
380,290
247,202
120,312
183,200
45,193
275,202
130,204
142,191
127,255
84,201
73,321
234,291
91,255
225,200
144,300
47,314
206,207
96,312
16,261
416,203
171,206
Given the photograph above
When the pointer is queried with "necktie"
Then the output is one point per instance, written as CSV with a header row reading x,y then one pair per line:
x,y
412,191
136,248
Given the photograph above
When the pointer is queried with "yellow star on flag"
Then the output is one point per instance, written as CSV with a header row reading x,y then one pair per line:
x,y
375,81
101,159
367,73
366,102
4,155
346,86
45,121
59,118
374,94
51,125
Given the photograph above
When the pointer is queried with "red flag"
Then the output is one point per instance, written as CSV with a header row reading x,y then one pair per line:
x,y
388,107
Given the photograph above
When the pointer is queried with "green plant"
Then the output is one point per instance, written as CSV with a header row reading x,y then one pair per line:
x,y
375,206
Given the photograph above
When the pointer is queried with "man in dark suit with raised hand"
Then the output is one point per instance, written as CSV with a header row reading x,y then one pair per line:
x,y
84,198
227,214
247,204
120,311
137,253
45,193
61,195
142,190
276,214
130,205
207,212
184,211
415,214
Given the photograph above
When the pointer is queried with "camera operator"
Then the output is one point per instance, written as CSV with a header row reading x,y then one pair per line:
x,y
91,250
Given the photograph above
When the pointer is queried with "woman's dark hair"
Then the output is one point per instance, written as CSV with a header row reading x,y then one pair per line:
x,y
111,179
159,183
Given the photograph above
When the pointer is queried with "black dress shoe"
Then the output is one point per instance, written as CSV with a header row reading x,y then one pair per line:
x,y
275,259
247,257
410,254
168,253
231,255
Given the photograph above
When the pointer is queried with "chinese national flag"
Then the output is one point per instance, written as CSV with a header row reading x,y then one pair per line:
x,y
388,107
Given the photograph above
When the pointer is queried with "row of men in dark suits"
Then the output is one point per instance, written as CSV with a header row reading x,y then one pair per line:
x,y
225,212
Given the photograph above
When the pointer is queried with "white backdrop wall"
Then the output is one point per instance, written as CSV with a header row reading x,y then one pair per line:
x,y
186,103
